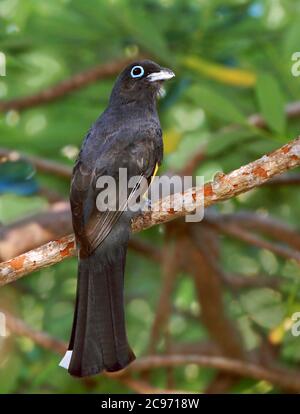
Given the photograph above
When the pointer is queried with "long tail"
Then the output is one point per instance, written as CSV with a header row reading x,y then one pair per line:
x,y
98,340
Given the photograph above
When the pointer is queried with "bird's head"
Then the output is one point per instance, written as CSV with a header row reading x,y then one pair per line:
x,y
140,80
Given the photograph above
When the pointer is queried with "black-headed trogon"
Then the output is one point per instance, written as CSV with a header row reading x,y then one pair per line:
x,y
127,135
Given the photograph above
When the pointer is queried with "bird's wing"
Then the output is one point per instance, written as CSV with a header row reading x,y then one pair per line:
x,y
140,155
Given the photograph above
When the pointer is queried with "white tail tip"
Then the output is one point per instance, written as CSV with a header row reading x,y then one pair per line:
x,y
65,362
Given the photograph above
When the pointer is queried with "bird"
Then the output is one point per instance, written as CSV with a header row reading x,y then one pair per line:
x,y
127,136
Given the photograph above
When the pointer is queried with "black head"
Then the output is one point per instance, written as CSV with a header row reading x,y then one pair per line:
x,y
139,81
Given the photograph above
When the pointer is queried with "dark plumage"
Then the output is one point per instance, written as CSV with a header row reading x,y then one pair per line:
x,y
126,135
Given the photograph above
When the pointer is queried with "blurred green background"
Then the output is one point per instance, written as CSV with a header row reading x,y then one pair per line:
x,y
232,59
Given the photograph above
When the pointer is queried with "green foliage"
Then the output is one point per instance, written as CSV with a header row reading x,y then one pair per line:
x,y
231,59
271,102
264,307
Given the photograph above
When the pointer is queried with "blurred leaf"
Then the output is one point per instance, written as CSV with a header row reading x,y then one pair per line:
x,y
216,104
271,102
225,140
221,73
9,373
134,20
13,206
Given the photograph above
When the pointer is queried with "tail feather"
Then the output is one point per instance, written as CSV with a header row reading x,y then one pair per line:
x,y
98,340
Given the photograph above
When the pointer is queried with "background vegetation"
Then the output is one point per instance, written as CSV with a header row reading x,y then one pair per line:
x,y
232,59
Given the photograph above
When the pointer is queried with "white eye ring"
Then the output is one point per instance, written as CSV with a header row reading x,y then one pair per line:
x,y
138,75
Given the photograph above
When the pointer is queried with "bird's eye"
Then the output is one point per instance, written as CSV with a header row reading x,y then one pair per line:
x,y
137,72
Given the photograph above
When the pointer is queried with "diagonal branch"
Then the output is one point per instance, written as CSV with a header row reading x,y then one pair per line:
x,y
240,281
292,111
18,327
31,232
63,88
223,187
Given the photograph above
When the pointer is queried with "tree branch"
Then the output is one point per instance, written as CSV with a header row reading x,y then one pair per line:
x,y
223,187
284,180
270,226
280,377
18,327
202,260
203,255
40,164
46,255
33,231
163,307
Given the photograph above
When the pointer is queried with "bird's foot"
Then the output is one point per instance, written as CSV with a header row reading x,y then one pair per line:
x,y
147,204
